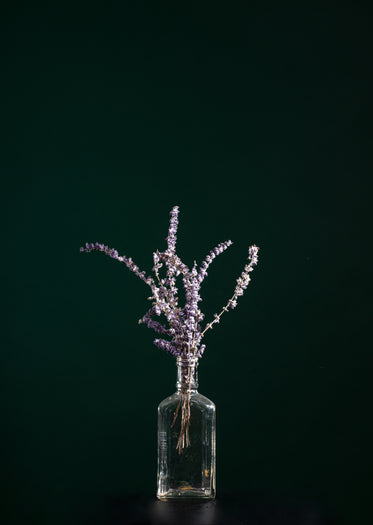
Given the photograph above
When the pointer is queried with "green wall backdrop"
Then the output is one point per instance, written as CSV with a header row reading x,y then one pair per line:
x,y
256,124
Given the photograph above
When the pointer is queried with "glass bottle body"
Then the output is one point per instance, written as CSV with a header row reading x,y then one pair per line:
x,y
188,473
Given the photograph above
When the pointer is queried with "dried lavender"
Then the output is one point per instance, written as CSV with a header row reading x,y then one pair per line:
x,y
184,328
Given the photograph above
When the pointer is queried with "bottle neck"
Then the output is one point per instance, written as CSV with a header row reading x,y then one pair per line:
x,y
187,376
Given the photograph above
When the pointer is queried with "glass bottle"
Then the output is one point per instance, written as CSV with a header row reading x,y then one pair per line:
x,y
187,471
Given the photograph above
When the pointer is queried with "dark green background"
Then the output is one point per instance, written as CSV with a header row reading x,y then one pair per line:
x,y
254,122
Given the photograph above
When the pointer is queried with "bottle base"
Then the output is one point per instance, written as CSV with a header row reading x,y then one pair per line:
x,y
186,494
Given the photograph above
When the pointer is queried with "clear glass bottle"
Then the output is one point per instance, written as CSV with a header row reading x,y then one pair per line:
x,y
188,473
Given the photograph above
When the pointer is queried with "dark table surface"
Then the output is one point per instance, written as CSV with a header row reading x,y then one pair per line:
x,y
227,509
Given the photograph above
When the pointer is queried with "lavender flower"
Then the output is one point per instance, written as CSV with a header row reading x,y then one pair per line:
x,y
171,239
114,255
206,263
184,322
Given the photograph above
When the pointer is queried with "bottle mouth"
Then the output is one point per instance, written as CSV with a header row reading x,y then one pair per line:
x,y
187,376
187,361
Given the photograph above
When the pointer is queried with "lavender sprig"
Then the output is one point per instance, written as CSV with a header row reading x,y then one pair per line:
x,y
171,239
122,258
242,283
166,345
220,248
150,323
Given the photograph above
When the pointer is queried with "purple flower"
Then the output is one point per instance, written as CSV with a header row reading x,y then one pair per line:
x,y
171,239
209,258
114,255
